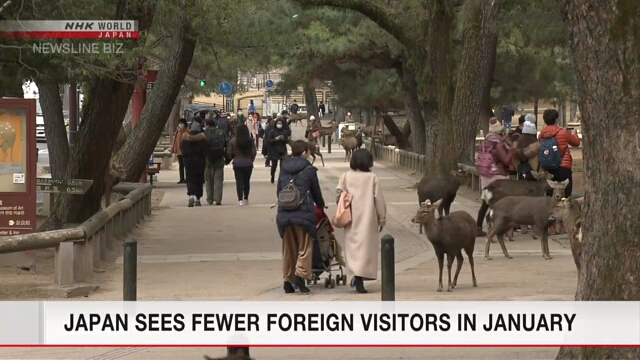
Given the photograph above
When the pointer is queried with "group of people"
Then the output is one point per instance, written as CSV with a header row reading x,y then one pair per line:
x,y
213,141
523,151
298,229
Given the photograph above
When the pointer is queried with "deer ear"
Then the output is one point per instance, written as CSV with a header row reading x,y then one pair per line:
x,y
565,183
580,200
437,203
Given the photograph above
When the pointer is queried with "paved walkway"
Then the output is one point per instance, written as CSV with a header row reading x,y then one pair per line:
x,y
230,252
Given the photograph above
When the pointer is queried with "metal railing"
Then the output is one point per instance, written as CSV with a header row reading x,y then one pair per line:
x,y
79,249
414,161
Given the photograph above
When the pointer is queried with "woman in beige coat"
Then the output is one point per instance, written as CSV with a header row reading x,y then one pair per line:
x,y
368,217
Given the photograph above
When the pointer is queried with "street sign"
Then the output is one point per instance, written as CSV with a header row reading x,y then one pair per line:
x,y
58,186
269,84
225,88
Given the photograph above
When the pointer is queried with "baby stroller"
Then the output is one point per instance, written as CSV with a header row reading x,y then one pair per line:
x,y
327,253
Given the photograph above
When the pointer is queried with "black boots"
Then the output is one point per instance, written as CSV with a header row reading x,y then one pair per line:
x,y
288,288
302,287
358,283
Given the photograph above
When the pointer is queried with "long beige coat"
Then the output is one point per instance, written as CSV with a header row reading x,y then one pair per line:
x,y
368,213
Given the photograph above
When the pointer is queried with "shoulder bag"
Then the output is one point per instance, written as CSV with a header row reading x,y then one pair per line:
x,y
342,218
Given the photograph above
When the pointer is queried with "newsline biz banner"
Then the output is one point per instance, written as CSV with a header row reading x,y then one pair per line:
x,y
308,323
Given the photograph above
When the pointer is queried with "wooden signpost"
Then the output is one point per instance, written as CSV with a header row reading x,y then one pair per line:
x,y
57,186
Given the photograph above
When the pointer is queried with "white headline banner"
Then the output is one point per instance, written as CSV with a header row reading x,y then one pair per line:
x,y
307,323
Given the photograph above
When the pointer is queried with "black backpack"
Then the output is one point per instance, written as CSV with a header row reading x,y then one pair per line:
x,y
289,198
216,145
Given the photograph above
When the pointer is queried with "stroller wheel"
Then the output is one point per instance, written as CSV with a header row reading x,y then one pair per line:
x,y
327,282
344,279
315,280
332,284
338,279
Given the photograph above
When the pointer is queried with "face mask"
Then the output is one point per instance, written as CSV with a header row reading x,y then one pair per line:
x,y
348,114
279,126
239,112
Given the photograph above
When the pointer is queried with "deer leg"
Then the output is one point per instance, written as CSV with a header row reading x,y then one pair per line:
x,y
459,262
440,255
544,241
487,244
510,234
469,250
503,246
450,258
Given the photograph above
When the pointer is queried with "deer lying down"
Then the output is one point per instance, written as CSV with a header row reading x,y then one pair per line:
x,y
569,211
524,210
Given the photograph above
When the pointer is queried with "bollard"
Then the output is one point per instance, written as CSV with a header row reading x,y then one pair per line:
x,y
238,351
388,269
329,145
130,269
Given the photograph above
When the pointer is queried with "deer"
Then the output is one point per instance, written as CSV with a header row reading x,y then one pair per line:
x,y
449,235
524,210
440,188
569,211
509,187
297,118
349,145
314,150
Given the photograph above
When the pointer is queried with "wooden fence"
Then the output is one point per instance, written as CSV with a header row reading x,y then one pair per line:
x,y
79,249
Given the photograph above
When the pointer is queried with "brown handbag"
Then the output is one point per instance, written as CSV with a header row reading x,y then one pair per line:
x,y
342,217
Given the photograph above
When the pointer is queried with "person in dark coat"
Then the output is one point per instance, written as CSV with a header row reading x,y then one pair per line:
x,y
278,138
194,147
297,228
265,144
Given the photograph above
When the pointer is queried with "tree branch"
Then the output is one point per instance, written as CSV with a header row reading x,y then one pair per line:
x,y
5,5
368,8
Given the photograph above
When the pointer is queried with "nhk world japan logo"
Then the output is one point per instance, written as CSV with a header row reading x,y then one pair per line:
x,y
70,29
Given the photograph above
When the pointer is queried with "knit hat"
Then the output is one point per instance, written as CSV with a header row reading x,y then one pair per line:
x,y
195,127
529,128
530,118
495,126
312,118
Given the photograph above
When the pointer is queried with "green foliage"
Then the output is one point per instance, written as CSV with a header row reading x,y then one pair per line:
x,y
532,59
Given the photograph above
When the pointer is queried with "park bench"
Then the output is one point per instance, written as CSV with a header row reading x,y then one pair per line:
x,y
153,168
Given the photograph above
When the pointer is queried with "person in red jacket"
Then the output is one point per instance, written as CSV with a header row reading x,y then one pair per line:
x,y
564,138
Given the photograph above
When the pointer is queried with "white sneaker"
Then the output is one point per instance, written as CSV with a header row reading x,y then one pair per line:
x,y
246,202
240,203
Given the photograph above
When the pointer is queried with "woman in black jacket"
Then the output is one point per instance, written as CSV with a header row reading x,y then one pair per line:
x,y
265,143
297,227
277,138
194,147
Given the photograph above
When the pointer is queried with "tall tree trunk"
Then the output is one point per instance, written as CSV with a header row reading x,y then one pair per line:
x,y
605,51
414,110
103,111
310,99
367,117
473,75
435,80
54,127
144,136
395,131
486,111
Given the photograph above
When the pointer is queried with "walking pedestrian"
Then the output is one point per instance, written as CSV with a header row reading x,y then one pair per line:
x,y
175,147
242,151
278,139
297,227
215,161
194,150
265,144
321,109
368,218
